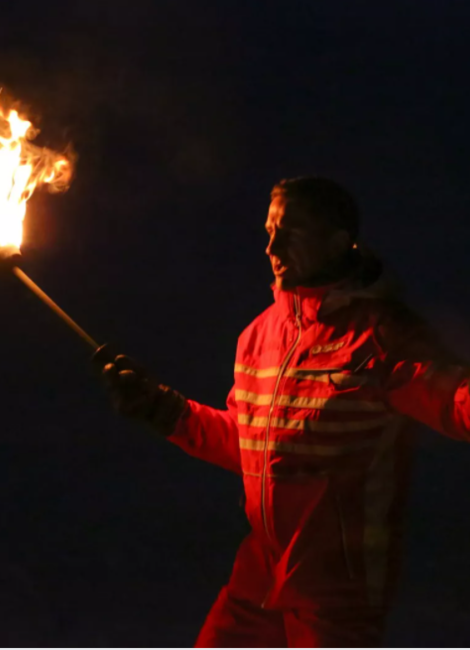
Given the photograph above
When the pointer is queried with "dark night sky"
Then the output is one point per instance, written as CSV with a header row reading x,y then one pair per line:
x,y
183,115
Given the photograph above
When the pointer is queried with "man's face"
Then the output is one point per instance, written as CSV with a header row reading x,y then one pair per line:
x,y
300,247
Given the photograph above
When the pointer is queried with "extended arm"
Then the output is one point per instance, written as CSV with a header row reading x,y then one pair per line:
x,y
202,431
420,378
210,434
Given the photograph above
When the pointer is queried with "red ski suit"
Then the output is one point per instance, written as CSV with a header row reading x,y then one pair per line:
x,y
325,380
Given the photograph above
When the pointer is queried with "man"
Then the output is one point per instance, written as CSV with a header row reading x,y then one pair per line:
x,y
325,380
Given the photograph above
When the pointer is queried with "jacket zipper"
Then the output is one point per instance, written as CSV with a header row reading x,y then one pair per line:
x,y
287,358
344,539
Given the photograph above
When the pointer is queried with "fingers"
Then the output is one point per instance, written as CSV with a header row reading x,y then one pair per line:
x,y
123,362
127,388
123,380
126,381
111,376
129,377
102,356
120,369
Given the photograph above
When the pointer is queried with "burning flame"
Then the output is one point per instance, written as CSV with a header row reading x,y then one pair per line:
x,y
23,167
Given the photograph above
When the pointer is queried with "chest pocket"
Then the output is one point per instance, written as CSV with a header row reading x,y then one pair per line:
x,y
339,374
354,375
325,394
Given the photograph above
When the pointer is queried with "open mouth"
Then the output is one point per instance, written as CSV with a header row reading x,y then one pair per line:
x,y
280,269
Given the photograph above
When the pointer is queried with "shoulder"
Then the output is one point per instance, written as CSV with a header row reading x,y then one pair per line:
x,y
401,331
257,325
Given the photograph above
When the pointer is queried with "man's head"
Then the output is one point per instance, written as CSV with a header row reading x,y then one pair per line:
x,y
312,226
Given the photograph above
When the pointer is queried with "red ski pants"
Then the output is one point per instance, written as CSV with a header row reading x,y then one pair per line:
x,y
234,623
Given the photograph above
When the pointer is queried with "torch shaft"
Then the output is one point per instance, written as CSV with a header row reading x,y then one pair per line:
x,y
54,306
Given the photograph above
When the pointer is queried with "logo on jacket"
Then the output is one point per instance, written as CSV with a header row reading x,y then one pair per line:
x,y
329,347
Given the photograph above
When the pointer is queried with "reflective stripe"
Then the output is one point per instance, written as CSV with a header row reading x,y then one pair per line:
x,y
326,375
319,450
252,421
298,448
254,445
308,373
330,404
378,496
313,425
253,398
257,372
320,403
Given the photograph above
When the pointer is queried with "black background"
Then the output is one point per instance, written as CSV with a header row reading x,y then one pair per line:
x,y
183,115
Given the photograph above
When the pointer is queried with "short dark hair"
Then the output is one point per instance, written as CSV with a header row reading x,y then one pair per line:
x,y
325,198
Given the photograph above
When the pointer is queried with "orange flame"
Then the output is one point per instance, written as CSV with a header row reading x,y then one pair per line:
x,y
23,167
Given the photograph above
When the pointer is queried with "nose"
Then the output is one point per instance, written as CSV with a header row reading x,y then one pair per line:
x,y
273,246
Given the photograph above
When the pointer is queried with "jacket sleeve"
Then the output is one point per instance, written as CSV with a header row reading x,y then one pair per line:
x,y
421,380
210,434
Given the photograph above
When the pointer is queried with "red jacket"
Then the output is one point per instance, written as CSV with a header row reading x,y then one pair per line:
x,y
325,382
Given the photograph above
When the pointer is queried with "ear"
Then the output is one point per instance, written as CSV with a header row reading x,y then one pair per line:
x,y
340,243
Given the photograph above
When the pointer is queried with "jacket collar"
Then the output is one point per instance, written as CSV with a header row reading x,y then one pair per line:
x,y
310,300
367,282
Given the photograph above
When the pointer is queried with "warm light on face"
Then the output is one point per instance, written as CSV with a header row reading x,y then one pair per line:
x,y
299,246
23,167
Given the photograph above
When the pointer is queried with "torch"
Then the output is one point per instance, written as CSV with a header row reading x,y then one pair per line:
x,y
25,166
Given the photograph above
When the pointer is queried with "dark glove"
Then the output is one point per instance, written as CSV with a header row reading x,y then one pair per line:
x,y
134,394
